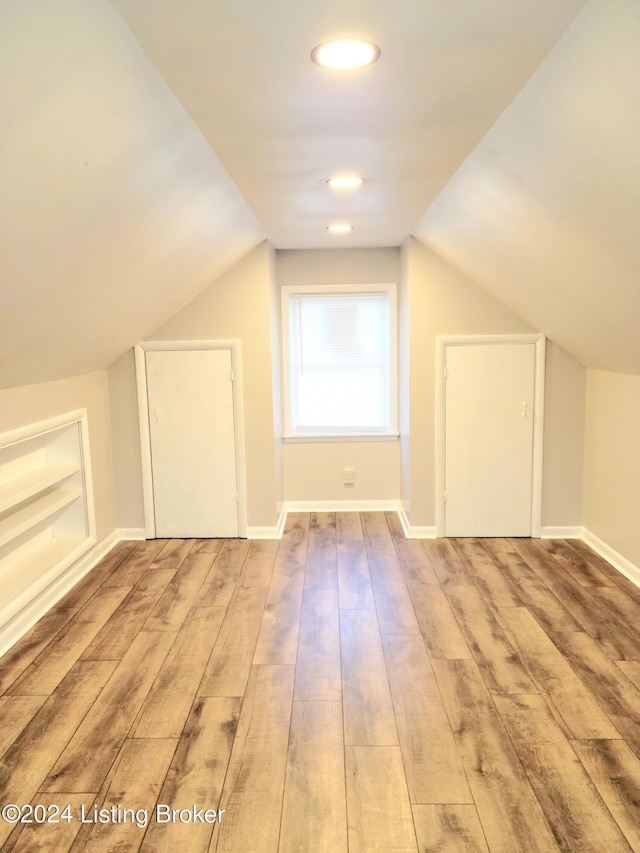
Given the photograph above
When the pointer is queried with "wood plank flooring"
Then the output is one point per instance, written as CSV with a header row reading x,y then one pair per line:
x,y
343,689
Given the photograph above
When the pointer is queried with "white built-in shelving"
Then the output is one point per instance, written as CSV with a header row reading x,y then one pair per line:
x,y
46,507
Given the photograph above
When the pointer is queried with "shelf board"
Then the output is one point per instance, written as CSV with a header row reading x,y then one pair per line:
x,y
33,567
22,488
37,511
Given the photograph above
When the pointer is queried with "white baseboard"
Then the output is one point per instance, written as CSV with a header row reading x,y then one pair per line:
x,y
415,532
131,533
269,532
624,566
342,506
41,603
561,532
264,533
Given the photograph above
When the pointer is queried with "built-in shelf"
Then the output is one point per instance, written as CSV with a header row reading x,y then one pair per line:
x,y
46,507
25,486
35,512
33,571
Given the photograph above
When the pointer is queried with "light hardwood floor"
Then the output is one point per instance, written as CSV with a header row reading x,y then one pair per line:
x,y
343,689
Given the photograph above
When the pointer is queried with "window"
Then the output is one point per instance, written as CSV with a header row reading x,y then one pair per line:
x,y
339,353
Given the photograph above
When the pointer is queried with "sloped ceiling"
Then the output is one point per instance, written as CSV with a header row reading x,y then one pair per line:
x,y
147,146
114,211
281,126
545,211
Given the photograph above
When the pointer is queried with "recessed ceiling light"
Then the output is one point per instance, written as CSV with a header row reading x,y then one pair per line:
x,y
339,228
345,54
346,182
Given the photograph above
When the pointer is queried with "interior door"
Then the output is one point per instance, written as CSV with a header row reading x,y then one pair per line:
x,y
489,439
193,455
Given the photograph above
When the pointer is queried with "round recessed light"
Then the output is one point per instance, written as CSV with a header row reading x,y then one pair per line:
x,y
345,54
345,182
339,228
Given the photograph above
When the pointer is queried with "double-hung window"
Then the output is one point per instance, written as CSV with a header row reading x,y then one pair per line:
x,y
340,360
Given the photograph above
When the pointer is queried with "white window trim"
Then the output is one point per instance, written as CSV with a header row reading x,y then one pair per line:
x,y
287,291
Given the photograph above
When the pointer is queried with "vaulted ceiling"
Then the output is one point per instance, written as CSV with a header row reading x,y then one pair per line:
x,y
281,125
146,147
545,211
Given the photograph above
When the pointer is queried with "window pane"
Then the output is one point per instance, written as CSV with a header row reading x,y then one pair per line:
x,y
340,362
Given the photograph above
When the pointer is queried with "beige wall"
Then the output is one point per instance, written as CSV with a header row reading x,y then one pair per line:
x,y
27,404
238,306
612,461
313,471
404,380
435,300
276,378
562,478
438,300
318,474
127,469
337,266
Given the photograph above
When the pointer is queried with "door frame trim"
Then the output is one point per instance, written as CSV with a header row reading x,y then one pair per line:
x,y
442,343
235,348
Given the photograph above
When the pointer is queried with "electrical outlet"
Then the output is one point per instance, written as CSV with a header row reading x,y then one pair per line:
x,y
349,476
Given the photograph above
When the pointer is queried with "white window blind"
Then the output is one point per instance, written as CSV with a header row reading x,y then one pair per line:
x,y
341,363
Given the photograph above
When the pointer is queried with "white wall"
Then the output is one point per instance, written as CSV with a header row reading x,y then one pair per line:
x,y
27,404
612,462
314,471
438,300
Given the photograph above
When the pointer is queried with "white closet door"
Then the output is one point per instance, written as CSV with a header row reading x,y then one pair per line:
x,y
193,456
489,439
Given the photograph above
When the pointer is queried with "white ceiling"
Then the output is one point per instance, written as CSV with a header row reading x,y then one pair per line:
x,y
114,211
280,125
146,146
545,212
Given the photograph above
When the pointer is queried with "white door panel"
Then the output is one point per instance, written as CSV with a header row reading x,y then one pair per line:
x,y
489,439
192,435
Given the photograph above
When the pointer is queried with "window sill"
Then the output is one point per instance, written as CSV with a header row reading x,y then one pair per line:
x,y
324,438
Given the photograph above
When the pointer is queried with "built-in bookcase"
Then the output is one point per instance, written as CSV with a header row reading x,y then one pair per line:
x,y
47,518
